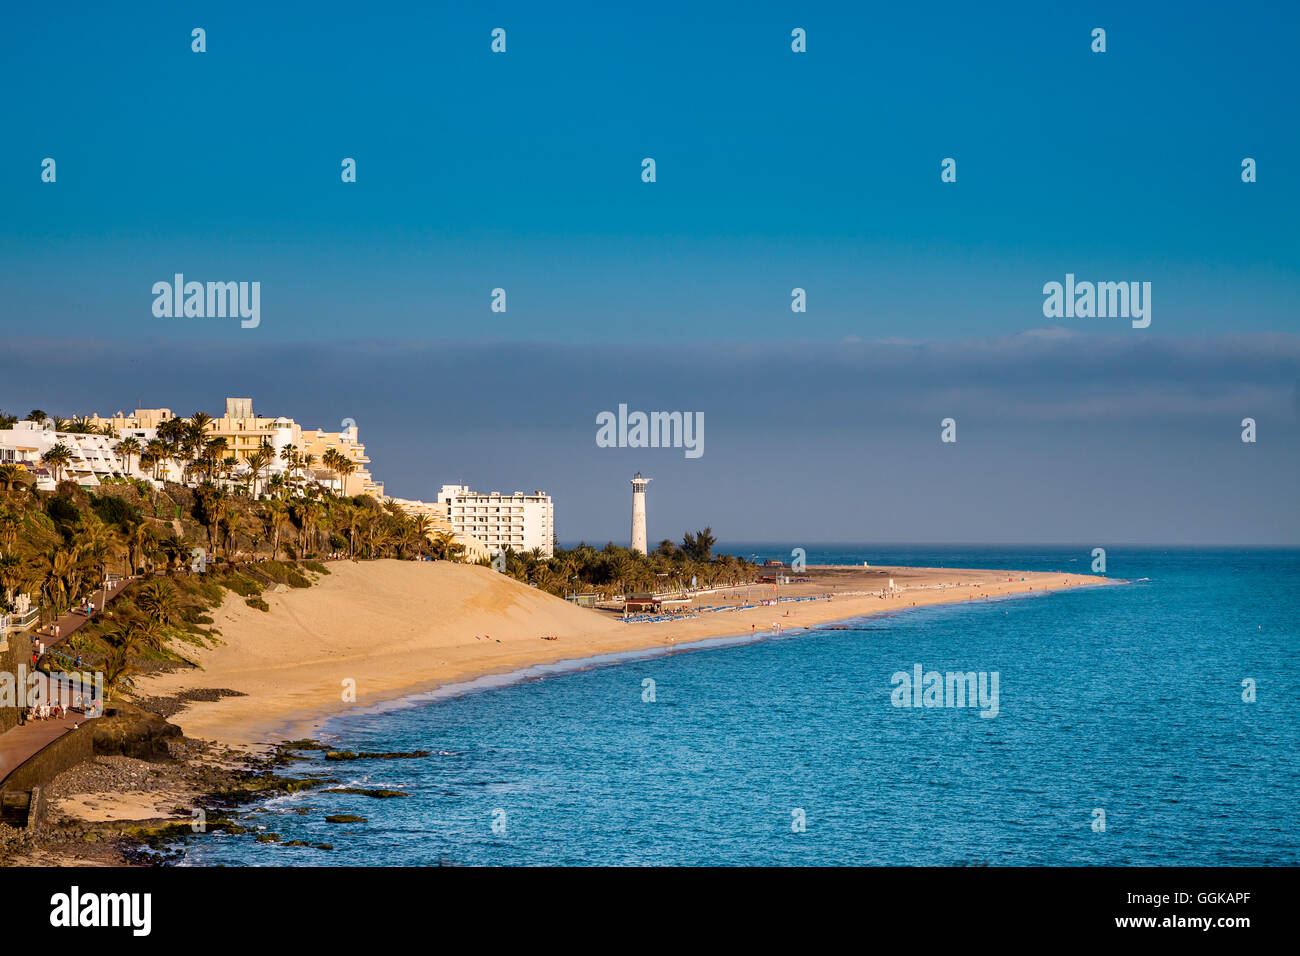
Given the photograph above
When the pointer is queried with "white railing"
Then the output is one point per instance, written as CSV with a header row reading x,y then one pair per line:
x,y
18,622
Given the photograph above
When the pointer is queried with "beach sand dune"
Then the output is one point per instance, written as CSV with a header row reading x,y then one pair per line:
x,y
389,628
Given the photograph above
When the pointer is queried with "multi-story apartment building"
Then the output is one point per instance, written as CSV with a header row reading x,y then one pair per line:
x,y
519,521
93,456
245,432
316,442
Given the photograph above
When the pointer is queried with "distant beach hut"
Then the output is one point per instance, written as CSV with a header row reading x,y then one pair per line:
x,y
641,602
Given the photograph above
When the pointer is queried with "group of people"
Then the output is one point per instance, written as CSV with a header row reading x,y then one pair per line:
x,y
45,711
55,711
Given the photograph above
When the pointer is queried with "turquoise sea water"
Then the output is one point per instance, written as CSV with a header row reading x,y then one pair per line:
x,y
1126,699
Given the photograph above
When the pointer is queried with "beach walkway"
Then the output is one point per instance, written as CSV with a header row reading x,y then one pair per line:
x,y
20,743
54,634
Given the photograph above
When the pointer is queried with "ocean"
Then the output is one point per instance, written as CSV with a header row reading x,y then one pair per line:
x,y
1122,737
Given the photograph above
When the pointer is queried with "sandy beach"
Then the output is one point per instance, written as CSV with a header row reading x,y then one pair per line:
x,y
392,628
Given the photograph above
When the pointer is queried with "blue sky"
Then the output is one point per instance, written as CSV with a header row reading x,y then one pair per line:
x,y
775,170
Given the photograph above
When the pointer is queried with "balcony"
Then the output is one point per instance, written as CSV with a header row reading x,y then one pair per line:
x,y
18,622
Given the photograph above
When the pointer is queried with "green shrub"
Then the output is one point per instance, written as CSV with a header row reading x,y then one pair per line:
x,y
243,586
62,512
258,603
283,573
113,510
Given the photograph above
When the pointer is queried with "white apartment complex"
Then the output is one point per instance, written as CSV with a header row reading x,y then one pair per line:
x,y
245,431
93,456
519,521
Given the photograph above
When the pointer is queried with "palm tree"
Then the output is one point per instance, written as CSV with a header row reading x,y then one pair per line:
x,y
198,427
12,574
330,460
61,576
276,485
306,462
156,451
214,452
269,449
228,530
256,535
311,512
350,522
96,541
289,455
210,508
140,542
406,540
158,600
345,466
183,453
117,669
256,461
9,526
276,519
57,459
445,547
174,549
172,433
126,448
9,476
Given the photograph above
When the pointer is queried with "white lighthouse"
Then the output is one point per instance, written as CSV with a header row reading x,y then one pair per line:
x,y
638,512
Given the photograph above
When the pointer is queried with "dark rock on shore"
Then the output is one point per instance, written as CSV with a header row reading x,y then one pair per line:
x,y
169,706
364,755
130,731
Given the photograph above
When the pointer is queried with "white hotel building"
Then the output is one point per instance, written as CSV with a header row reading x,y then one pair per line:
x,y
93,456
519,521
